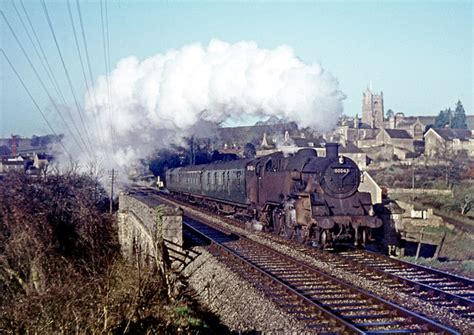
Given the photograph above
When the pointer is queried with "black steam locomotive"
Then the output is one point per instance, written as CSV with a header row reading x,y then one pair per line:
x,y
302,197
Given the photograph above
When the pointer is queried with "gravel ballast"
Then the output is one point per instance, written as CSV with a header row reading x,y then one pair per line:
x,y
237,303
441,314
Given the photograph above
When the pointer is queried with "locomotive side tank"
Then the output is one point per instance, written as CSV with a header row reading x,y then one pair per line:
x,y
303,197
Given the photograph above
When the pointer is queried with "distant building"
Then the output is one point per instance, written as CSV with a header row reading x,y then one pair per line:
x,y
237,137
438,142
12,164
372,109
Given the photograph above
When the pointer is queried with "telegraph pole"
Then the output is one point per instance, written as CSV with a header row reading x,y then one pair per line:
x,y
112,175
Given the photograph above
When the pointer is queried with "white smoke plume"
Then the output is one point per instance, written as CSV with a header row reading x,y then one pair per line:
x,y
144,104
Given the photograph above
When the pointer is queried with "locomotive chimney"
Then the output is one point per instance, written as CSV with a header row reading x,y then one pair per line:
x,y
332,150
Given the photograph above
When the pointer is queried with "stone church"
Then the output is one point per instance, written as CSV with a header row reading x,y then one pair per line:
x,y
372,109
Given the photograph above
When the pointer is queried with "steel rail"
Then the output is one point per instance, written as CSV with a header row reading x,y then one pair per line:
x,y
389,267
426,324
371,297
343,323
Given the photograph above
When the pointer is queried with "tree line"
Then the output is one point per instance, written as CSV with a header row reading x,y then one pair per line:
x,y
454,119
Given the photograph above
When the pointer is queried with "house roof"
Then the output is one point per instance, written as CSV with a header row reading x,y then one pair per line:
x,y
12,163
450,134
42,156
254,134
349,148
309,142
398,133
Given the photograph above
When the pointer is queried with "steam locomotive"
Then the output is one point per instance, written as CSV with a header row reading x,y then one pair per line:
x,y
303,197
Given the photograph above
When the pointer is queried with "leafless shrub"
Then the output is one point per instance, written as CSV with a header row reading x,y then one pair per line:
x,y
60,269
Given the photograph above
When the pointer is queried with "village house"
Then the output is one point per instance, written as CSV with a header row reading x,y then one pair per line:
x,y
13,163
387,144
439,142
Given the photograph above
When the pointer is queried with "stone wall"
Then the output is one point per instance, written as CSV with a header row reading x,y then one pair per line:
x,y
140,231
419,191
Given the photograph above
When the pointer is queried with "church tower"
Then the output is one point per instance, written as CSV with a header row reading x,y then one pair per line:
x,y
372,109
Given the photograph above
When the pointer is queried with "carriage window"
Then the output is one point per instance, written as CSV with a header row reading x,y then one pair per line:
x,y
228,178
238,177
215,178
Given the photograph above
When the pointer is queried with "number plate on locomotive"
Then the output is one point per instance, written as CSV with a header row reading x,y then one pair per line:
x,y
341,170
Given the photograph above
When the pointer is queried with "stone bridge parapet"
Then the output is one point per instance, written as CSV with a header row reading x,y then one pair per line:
x,y
145,224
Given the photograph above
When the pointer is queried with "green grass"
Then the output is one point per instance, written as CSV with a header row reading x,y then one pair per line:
x,y
436,230
185,313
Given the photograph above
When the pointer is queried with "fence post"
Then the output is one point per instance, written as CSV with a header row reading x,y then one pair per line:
x,y
418,249
439,246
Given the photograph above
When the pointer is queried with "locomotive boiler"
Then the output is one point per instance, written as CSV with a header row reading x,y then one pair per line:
x,y
304,197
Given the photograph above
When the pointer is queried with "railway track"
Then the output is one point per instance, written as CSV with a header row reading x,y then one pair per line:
x,y
357,261
440,288
454,292
323,303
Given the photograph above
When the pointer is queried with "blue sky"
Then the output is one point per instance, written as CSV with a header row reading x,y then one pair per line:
x,y
420,54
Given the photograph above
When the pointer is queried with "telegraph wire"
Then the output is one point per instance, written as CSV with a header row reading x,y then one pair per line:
x,y
34,101
39,79
51,72
108,59
45,10
91,77
107,34
107,73
45,68
83,70
56,84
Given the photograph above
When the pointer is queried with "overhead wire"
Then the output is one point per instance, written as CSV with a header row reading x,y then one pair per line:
x,y
108,64
42,61
50,72
56,84
53,102
99,132
91,77
45,10
34,101
107,74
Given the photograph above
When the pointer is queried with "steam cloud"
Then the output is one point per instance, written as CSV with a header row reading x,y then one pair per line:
x,y
154,100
